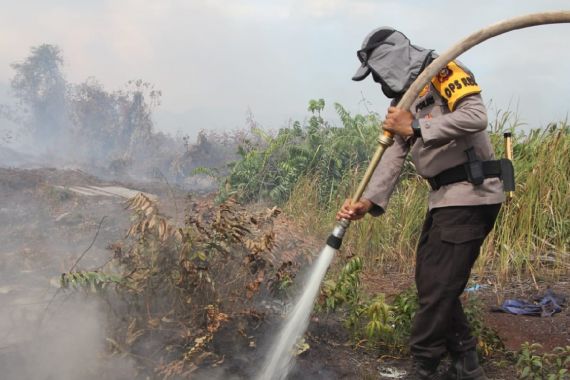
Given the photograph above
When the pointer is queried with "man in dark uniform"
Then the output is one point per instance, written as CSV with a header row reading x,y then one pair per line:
x,y
444,130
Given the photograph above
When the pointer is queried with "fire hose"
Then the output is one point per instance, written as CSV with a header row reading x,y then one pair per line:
x,y
386,139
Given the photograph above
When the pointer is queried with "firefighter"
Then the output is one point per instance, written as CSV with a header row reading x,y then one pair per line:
x,y
445,132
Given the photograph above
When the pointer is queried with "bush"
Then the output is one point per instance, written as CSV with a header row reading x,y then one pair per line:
x,y
272,167
547,366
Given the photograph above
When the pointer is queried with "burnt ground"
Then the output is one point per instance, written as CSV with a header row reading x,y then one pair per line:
x,y
46,227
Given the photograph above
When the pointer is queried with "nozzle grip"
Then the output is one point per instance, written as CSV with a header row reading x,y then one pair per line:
x,y
335,238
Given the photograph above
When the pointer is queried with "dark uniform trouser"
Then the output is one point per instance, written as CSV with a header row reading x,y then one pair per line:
x,y
449,245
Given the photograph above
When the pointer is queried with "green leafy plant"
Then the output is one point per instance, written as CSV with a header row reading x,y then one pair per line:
x,y
530,363
271,167
345,290
92,280
553,365
389,325
383,324
404,309
210,172
380,318
372,319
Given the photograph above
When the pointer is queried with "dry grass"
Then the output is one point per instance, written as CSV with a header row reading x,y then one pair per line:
x,y
532,233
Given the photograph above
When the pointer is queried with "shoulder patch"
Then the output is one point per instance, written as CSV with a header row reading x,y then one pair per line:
x,y
453,83
424,91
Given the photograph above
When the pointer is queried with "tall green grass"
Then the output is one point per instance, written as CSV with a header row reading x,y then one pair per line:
x,y
531,235
310,169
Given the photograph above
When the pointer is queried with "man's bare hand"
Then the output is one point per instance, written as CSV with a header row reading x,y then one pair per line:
x,y
354,211
399,122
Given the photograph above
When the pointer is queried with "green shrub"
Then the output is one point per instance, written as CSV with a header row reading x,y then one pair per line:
x,y
553,365
386,325
271,167
346,289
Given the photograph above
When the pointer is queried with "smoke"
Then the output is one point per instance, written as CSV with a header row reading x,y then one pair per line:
x,y
50,334
66,342
46,332
217,374
109,133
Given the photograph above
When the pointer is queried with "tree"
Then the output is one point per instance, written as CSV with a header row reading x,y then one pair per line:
x,y
316,106
96,119
40,87
137,127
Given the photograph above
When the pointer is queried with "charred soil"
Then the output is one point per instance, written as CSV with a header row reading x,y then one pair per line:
x,y
62,221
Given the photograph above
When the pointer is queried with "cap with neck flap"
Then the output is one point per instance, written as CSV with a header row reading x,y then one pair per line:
x,y
392,60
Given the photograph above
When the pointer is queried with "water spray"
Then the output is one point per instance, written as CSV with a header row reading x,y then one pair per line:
x,y
280,358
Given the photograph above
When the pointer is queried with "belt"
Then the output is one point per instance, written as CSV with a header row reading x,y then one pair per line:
x,y
459,174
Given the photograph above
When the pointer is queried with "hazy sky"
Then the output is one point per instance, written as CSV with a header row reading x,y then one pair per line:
x,y
215,59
